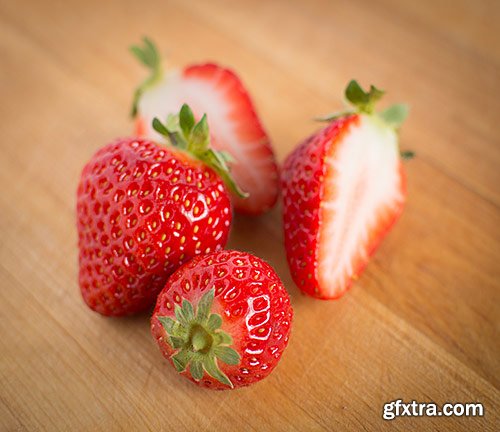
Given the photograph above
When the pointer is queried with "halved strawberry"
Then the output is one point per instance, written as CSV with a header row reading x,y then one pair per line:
x,y
343,189
234,125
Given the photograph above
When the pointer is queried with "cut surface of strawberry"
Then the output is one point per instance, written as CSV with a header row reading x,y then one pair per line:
x,y
234,125
343,188
363,195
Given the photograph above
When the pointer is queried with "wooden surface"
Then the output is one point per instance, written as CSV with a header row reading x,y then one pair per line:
x,y
421,323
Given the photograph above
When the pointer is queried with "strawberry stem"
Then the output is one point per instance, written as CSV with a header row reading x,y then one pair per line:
x,y
148,55
198,340
407,154
184,133
363,102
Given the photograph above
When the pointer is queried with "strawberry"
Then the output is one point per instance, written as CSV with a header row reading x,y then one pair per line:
x,y
234,125
144,209
343,189
223,320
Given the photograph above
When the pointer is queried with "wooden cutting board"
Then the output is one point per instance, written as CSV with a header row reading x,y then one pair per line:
x,y
422,323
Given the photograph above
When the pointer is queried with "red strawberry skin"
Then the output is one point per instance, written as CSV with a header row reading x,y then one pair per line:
x,y
252,301
304,193
143,210
234,125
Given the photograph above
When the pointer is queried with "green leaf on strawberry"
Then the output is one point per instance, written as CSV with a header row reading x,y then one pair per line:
x,y
148,55
363,102
184,133
199,341
407,155
395,115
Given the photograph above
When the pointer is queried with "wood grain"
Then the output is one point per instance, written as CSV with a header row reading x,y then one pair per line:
x,y
422,323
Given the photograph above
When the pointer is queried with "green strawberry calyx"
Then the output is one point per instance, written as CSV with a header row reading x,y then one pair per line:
x,y
363,102
180,129
183,133
149,56
199,341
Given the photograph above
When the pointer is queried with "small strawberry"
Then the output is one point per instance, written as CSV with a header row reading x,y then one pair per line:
x,y
234,125
343,189
223,320
144,209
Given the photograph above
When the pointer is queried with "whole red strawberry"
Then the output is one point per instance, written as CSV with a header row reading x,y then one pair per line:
x,y
223,320
343,189
234,124
144,209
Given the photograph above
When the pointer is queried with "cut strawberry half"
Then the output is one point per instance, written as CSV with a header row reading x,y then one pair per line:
x,y
234,125
343,188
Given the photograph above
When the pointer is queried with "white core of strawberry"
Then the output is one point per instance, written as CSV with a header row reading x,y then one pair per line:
x,y
362,184
207,96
